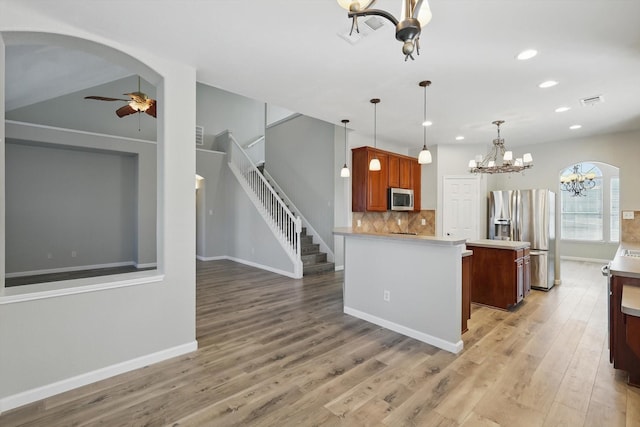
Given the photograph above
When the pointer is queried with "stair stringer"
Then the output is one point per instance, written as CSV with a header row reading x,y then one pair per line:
x,y
286,245
305,223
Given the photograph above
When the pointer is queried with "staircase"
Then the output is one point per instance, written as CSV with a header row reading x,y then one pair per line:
x,y
277,210
313,261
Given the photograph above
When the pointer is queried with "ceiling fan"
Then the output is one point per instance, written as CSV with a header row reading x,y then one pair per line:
x,y
139,102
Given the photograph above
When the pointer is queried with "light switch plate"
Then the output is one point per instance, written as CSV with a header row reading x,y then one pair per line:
x,y
627,214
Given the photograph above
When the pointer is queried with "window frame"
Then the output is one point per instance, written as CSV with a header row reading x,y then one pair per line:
x,y
605,175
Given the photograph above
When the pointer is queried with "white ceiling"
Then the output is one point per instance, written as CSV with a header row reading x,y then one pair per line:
x,y
289,53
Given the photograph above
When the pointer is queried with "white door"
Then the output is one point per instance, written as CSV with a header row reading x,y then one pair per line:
x,y
460,212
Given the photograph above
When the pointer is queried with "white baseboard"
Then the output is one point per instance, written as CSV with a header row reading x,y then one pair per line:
x,y
147,265
66,269
264,267
211,258
58,387
249,263
593,260
452,347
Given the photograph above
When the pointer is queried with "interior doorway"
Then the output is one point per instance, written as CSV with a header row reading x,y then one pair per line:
x,y
460,218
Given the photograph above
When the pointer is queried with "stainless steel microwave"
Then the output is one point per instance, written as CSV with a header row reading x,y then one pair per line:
x,y
400,199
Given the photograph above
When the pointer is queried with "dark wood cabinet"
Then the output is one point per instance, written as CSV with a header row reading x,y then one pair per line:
x,y
369,188
623,330
466,291
394,171
405,172
400,171
527,273
500,276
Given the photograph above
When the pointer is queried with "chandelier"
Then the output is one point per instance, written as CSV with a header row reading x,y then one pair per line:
x,y
499,160
577,183
415,14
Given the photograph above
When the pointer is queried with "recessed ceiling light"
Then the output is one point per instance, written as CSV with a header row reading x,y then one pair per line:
x,y
562,109
427,123
459,138
574,127
548,83
527,54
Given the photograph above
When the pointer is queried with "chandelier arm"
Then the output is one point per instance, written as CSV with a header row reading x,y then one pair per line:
x,y
368,5
416,8
378,12
354,24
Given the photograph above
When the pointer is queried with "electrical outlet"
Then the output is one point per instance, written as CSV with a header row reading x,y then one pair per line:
x,y
73,254
627,214
424,221
359,223
49,255
399,222
386,295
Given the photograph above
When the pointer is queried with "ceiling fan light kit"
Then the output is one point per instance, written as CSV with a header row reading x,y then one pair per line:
x,y
415,15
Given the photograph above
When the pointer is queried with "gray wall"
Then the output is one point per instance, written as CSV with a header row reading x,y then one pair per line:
x,y
218,110
60,201
50,344
72,111
212,235
77,153
300,157
2,163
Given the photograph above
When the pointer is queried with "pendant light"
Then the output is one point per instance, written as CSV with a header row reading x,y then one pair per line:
x,y
344,173
374,165
424,157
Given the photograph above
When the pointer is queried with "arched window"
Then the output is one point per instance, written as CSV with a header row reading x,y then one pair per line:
x,y
591,214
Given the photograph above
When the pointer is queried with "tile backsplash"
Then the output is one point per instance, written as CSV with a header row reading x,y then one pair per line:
x,y
630,228
387,222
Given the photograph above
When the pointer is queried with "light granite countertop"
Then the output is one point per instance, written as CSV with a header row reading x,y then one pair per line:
x,y
626,266
631,300
499,244
432,240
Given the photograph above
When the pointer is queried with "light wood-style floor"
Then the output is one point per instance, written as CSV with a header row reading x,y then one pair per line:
x,y
279,352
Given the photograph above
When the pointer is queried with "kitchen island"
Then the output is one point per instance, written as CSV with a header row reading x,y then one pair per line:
x,y
624,311
406,283
501,272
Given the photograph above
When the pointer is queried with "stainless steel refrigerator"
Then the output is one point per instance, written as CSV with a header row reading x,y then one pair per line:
x,y
528,216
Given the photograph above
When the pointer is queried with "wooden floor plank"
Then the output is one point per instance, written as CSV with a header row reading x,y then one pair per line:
x,y
275,351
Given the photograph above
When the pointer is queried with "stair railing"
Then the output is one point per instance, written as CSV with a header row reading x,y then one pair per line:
x,y
284,225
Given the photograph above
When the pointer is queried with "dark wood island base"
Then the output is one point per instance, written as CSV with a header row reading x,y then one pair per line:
x,y
501,275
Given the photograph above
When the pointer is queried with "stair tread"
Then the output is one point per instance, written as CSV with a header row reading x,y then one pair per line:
x,y
318,268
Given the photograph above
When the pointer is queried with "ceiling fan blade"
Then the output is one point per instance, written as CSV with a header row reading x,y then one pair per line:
x,y
152,109
104,98
125,111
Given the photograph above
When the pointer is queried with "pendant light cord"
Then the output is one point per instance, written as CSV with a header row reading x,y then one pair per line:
x,y
375,111
424,122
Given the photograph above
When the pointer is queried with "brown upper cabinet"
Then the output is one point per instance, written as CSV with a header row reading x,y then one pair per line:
x,y
369,188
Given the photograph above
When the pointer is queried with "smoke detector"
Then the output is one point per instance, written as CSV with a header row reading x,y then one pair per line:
x,y
592,100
